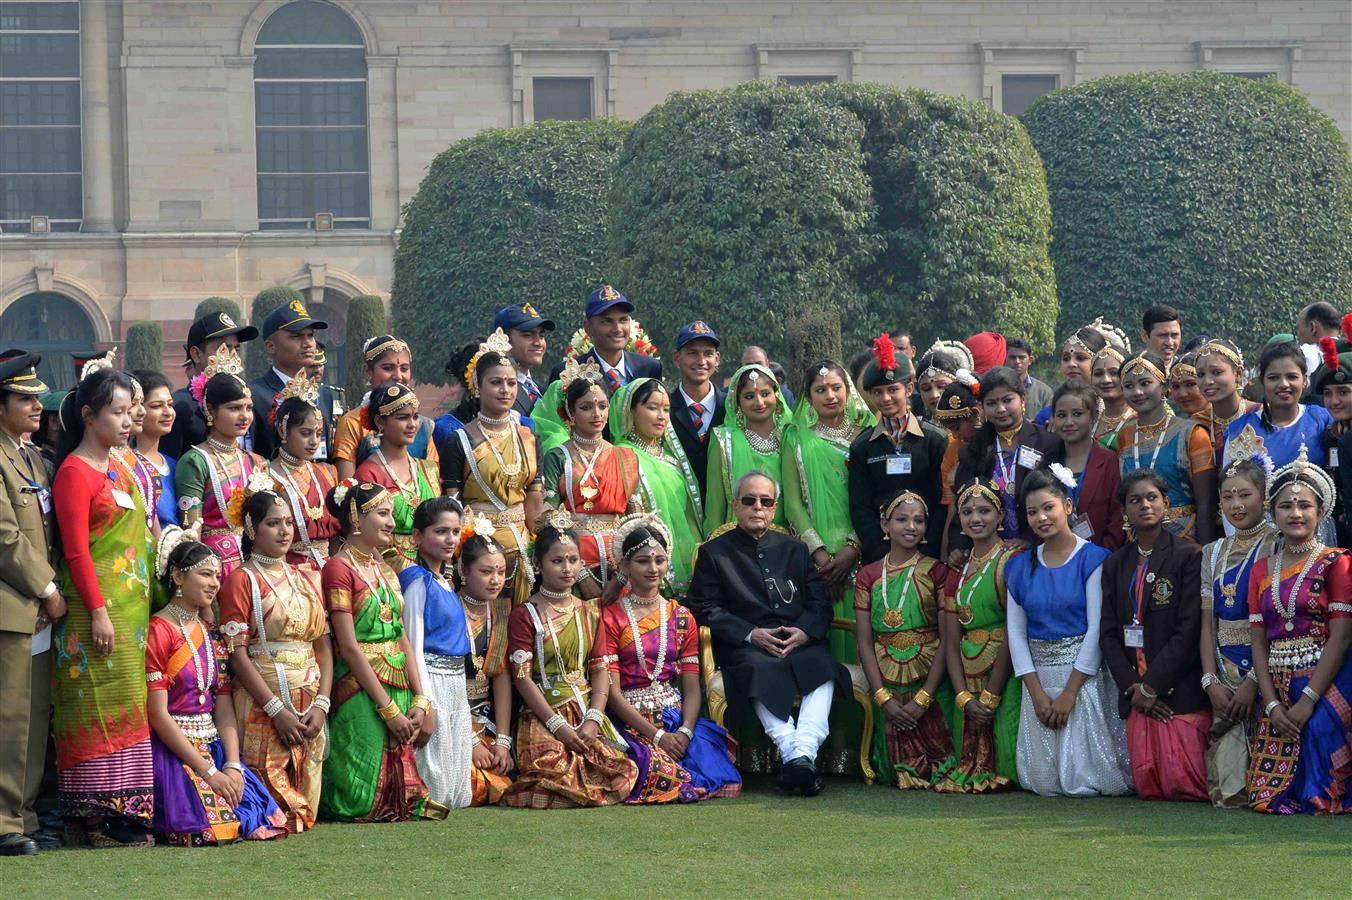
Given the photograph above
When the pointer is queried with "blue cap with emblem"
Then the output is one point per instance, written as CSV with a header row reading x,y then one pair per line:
x,y
605,298
522,318
696,331
292,317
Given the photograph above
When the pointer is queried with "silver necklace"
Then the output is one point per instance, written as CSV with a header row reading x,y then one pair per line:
x,y
203,675
1288,612
762,445
260,560
586,441
556,595
845,433
485,419
654,673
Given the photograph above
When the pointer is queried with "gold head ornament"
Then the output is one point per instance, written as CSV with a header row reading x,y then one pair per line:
x,y
497,342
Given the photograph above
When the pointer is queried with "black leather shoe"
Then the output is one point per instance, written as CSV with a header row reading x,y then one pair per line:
x,y
796,773
814,786
17,844
47,840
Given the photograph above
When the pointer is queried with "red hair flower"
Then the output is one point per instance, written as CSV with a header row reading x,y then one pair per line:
x,y
1329,349
1347,326
885,352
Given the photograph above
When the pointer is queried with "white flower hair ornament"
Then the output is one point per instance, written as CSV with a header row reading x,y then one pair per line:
x,y
1063,475
170,539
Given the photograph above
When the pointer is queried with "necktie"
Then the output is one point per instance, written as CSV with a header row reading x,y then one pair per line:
x,y
532,391
613,377
697,418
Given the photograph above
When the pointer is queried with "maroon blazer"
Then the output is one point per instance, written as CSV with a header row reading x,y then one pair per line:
x,y
1098,497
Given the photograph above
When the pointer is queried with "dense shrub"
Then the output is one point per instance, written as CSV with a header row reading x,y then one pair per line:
x,y
218,304
741,206
505,217
365,320
256,360
1226,197
145,347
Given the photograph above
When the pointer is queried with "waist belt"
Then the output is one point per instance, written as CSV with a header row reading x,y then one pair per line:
x,y
293,653
453,665
1295,654
371,648
1059,652
197,727
600,522
514,515
1233,632
654,697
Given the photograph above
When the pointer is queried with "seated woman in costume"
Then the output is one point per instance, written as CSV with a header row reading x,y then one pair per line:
x,y
650,644
203,793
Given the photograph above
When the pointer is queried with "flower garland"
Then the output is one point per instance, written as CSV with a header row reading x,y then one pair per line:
x,y
638,342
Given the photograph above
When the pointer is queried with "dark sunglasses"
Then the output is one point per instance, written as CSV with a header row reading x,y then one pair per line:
x,y
766,502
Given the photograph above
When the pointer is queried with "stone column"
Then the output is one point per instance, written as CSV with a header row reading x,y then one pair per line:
x,y
96,131
383,140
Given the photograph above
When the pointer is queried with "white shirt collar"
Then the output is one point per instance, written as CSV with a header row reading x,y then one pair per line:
x,y
707,401
286,379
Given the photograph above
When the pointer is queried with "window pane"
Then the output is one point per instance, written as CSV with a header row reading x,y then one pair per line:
x,y
301,196
57,196
309,22
311,103
301,150
800,80
565,99
40,103
39,16
1019,91
40,150
310,64
44,55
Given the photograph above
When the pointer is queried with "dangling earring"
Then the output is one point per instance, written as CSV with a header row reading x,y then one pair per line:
x,y
210,420
740,419
178,592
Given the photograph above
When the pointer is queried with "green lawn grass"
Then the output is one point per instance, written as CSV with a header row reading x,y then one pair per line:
x,y
852,841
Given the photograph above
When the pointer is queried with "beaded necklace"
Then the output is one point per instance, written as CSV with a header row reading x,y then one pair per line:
x,y
380,589
203,674
654,673
1143,431
892,616
1288,611
762,445
412,496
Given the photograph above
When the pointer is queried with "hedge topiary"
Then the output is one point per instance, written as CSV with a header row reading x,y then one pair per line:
x,y
811,336
897,208
741,206
218,304
365,320
256,360
145,347
1226,197
506,217
963,210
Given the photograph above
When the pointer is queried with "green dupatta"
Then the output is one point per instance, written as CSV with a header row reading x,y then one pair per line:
x,y
732,457
666,482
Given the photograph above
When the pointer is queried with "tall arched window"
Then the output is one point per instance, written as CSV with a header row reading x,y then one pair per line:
x,y
40,162
310,113
56,327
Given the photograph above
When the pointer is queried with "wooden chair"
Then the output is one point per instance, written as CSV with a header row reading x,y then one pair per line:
x,y
717,699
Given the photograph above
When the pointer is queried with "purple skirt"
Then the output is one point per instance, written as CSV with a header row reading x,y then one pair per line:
x,y
179,808
712,773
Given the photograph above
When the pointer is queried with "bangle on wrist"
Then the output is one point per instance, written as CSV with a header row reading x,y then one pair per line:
x,y
594,715
502,740
658,735
1148,692
1208,680
881,696
237,766
421,702
388,711
685,730
322,701
211,770
963,698
554,723
923,698
1313,695
1272,704
273,707
989,700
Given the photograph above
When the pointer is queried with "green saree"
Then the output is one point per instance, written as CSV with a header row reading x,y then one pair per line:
x,y
667,484
732,456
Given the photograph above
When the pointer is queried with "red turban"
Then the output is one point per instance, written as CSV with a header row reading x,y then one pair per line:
x,y
988,350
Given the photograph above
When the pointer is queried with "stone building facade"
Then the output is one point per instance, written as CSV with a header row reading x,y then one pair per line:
x,y
177,149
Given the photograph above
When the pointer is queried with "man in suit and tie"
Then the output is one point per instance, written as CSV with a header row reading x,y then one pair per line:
x,y
609,325
525,328
289,339
205,337
29,601
697,404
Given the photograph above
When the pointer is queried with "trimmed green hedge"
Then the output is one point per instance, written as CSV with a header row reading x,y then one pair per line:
x,y
742,206
145,347
1226,197
256,360
218,304
365,320
510,216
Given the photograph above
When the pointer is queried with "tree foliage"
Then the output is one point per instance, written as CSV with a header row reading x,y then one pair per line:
x,y
218,304
256,360
1226,197
506,217
365,320
145,346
